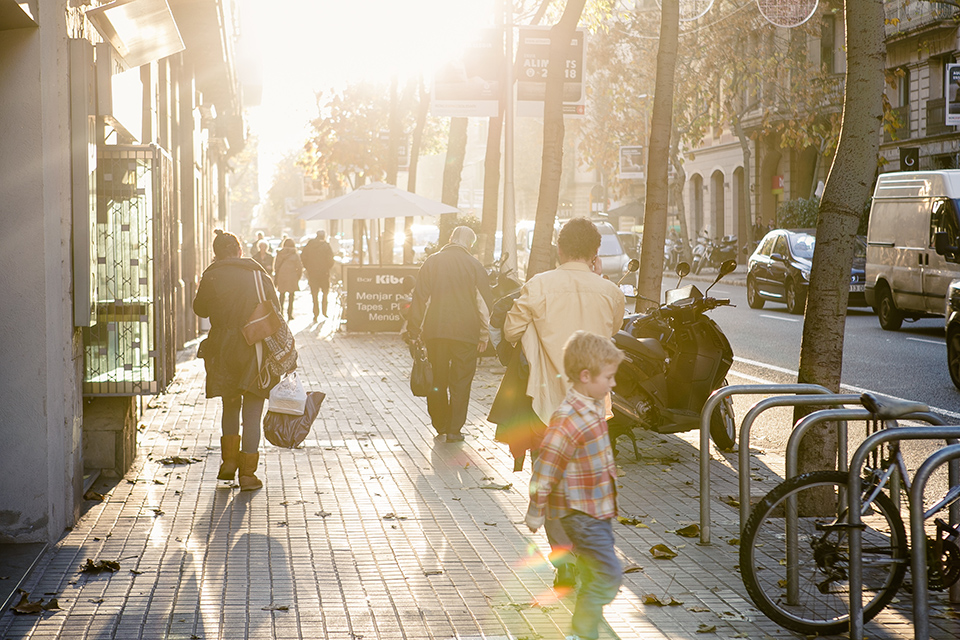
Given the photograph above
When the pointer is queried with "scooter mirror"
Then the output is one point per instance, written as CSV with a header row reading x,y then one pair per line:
x,y
633,265
728,267
683,269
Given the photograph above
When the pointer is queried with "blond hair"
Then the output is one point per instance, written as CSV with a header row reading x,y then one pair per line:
x,y
585,350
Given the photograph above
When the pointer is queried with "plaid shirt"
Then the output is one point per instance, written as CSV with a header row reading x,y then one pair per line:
x,y
575,470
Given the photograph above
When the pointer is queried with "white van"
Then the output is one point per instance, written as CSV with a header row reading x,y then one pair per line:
x,y
905,277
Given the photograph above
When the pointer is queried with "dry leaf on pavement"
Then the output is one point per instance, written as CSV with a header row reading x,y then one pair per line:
x,y
662,552
690,531
99,567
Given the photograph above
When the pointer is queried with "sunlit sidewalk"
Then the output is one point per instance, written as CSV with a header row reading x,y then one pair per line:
x,y
375,530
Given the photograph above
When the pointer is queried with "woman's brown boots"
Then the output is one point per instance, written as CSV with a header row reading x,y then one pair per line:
x,y
229,451
248,468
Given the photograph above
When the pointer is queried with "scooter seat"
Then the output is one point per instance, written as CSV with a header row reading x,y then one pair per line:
x,y
649,348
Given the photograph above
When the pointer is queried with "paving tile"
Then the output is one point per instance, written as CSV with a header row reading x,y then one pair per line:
x,y
319,538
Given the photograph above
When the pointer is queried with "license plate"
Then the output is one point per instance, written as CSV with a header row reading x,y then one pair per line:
x,y
856,288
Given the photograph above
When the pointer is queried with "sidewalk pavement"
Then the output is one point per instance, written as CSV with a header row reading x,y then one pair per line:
x,y
375,530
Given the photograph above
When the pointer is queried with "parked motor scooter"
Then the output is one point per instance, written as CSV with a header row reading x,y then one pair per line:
x,y
675,357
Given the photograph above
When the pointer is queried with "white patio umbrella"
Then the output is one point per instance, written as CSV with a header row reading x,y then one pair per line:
x,y
373,201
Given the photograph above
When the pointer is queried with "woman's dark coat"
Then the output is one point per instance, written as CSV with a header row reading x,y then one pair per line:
x,y
287,269
227,295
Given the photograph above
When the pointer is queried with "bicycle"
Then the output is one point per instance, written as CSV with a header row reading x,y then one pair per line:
x,y
821,552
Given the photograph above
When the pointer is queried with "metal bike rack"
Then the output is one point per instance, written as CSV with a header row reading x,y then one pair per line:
x,y
769,403
918,538
855,571
712,403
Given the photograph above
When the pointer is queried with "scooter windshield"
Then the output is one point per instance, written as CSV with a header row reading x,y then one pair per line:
x,y
690,291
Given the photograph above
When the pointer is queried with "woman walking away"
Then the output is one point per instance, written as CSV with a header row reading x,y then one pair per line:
x,y
228,295
287,270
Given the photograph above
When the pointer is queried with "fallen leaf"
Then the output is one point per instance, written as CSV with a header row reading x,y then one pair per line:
x,y
433,572
322,514
632,521
25,606
490,524
734,542
690,531
698,609
707,628
662,552
99,567
497,487
654,600
732,501
276,607
634,569
178,460
393,516
93,495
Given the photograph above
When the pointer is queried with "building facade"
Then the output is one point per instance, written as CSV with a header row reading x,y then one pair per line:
x,y
117,122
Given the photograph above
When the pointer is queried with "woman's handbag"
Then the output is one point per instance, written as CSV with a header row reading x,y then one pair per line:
x,y
265,319
421,376
288,396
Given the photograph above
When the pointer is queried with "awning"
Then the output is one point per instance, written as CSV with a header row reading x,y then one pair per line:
x,y
15,15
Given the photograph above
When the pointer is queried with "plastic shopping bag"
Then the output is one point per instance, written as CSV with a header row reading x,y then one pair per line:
x,y
285,430
288,396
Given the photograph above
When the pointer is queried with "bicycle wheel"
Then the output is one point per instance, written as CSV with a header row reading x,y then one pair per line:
x,y
822,602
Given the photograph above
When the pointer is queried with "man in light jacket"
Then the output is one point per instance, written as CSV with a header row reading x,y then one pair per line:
x,y
551,307
450,309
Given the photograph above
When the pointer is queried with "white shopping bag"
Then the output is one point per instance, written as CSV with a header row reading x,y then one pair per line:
x,y
289,396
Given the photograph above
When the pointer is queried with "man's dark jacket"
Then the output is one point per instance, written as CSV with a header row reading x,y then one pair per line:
x,y
445,298
317,258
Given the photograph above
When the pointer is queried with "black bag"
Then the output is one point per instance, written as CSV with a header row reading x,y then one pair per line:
x,y
421,376
288,431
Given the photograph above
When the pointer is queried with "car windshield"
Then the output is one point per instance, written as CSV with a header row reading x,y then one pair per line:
x,y
801,245
610,245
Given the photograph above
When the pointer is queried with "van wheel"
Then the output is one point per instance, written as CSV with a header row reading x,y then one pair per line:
x,y
890,317
753,296
795,300
953,356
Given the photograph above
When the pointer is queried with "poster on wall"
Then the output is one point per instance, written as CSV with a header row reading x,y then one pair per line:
x,y
631,163
373,297
952,94
533,57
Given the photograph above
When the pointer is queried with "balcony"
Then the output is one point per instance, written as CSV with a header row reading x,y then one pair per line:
x,y
904,19
936,116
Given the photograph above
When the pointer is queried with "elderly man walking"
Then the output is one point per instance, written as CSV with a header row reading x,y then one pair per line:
x,y
449,310
317,258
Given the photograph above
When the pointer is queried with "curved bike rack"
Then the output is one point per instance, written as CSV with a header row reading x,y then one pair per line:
x,y
855,573
769,403
918,538
712,403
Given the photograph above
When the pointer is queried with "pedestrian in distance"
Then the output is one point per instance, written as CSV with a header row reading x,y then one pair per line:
x,y
255,245
263,256
317,258
228,296
287,269
450,311
574,477
551,307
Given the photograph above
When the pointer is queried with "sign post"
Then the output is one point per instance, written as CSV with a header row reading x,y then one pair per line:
x,y
952,94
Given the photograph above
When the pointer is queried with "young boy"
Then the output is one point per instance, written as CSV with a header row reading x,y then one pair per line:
x,y
574,478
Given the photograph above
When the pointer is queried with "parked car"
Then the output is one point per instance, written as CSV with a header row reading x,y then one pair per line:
x,y
779,270
631,243
953,332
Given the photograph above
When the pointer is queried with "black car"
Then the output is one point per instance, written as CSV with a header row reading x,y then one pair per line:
x,y
779,270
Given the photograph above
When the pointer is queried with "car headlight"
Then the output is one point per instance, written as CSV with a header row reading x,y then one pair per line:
x,y
805,275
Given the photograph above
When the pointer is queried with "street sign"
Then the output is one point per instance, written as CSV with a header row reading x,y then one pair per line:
x,y
631,163
909,158
471,85
533,56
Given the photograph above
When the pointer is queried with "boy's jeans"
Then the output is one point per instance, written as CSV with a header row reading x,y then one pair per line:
x,y
600,570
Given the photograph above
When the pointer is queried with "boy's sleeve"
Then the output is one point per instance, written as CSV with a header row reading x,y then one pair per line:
x,y
556,449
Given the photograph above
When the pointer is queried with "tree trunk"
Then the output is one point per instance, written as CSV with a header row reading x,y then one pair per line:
x,y
847,188
661,126
491,189
452,168
551,165
677,191
393,149
423,107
